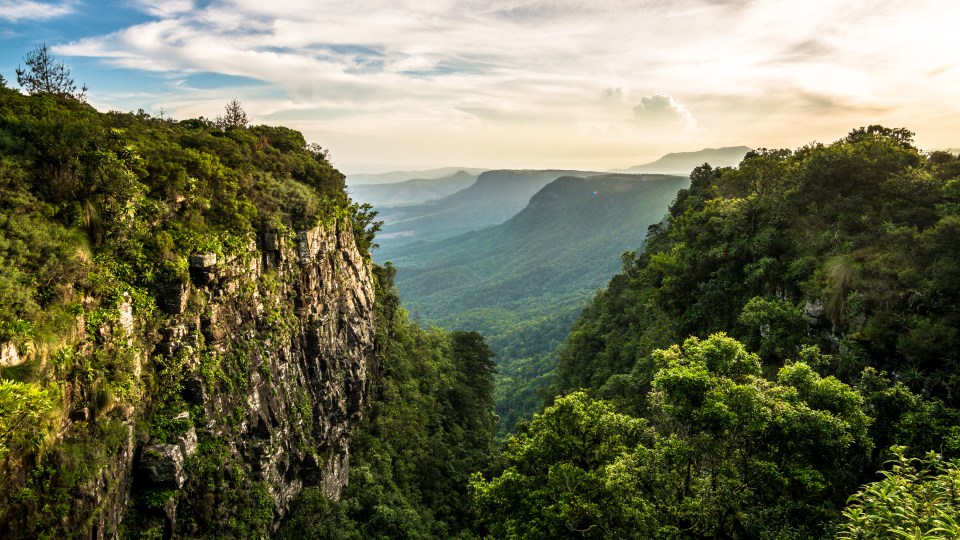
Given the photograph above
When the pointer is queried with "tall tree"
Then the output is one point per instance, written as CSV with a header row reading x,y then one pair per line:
x,y
234,116
44,74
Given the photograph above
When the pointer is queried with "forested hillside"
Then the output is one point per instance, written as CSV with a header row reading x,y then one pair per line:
x,y
494,198
522,283
790,328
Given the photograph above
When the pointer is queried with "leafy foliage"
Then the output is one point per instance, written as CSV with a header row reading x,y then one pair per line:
x,y
915,499
26,410
722,452
842,246
831,263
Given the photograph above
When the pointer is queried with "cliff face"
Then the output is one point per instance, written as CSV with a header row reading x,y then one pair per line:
x,y
277,364
252,375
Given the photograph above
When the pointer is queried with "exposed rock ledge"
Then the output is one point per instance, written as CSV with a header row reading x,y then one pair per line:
x,y
272,350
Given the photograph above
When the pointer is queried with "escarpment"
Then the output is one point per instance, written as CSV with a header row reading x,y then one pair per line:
x,y
245,383
276,351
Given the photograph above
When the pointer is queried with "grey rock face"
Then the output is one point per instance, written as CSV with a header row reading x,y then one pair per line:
x,y
299,313
289,326
162,465
813,311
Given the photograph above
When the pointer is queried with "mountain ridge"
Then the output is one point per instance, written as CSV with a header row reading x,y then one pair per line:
x,y
494,198
413,191
393,177
685,162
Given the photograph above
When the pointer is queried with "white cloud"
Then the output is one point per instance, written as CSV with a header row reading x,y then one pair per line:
x,y
16,11
165,8
662,111
531,70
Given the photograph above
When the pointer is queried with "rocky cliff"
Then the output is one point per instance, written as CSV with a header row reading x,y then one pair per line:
x,y
245,384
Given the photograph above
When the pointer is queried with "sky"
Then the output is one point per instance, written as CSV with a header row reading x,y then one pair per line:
x,y
594,84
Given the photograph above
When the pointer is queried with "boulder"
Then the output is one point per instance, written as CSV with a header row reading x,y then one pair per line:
x,y
162,465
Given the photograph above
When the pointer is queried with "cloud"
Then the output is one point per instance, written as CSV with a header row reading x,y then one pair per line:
x,y
661,110
542,70
165,8
17,11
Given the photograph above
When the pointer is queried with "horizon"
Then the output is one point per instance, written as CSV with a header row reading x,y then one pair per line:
x,y
503,84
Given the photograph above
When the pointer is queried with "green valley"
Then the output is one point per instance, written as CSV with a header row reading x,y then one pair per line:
x,y
522,283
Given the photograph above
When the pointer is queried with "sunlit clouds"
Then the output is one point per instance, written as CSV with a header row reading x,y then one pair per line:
x,y
601,84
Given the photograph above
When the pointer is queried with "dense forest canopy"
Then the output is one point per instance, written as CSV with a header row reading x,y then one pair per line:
x,y
792,320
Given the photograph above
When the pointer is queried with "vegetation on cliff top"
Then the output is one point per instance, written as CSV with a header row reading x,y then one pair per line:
x,y
99,213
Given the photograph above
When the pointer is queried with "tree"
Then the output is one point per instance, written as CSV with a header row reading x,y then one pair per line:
x,y
559,481
722,453
3,82
44,74
234,116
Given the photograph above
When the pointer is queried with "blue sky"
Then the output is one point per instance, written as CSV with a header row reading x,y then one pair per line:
x,y
602,84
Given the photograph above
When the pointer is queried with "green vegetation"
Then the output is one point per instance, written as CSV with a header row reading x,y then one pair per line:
x,y
99,213
721,453
523,283
431,426
915,499
844,246
45,75
836,265
494,198
791,328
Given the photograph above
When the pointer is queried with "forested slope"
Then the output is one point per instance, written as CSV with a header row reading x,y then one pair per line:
x,y
522,283
494,198
792,321
849,246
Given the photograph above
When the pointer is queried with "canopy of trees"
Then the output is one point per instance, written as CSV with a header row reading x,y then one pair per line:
x,y
836,265
722,453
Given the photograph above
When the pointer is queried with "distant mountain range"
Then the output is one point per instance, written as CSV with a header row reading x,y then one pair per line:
x,y
402,176
413,191
523,282
495,197
685,162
